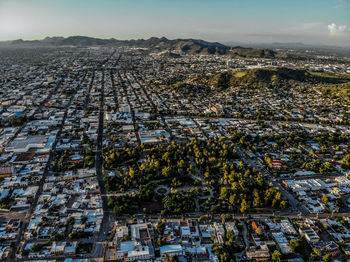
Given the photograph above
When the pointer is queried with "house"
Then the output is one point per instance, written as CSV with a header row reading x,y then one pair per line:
x,y
57,248
310,235
231,227
258,254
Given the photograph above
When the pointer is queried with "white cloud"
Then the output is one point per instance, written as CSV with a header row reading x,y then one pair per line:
x,y
335,30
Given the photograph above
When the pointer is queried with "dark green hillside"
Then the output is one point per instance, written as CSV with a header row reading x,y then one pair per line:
x,y
331,85
251,52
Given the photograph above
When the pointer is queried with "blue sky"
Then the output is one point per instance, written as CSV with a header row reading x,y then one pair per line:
x,y
245,21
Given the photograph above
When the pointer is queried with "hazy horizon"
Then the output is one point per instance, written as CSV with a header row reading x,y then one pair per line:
x,y
325,22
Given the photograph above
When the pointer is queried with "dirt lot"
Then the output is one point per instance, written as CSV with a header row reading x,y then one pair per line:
x,y
11,215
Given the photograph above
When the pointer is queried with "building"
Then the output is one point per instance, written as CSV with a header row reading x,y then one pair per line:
x,y
310,235
231,227
41,144
171,250
258,254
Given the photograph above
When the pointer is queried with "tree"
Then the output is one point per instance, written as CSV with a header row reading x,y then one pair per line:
x,y
345,163
294,244
339,203
176,203
326,257
166,171
244,205
313,257
203,218
232,199
70,221
259,231
84,219
131,172
116,211
173,259
276,256
256,201
326,167
324,199
283,204
142,167
230,236
160,228
225,193
36,248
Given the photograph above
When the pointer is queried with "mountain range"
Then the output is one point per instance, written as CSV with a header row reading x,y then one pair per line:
x,y
188,46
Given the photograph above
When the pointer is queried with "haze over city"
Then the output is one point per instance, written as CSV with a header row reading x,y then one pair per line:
x,y
321,22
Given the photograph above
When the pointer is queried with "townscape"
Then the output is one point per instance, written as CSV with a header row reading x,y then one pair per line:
x,y
127,153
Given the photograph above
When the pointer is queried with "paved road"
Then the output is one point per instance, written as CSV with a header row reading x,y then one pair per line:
x,y
107,218
129,192
99,153
245,234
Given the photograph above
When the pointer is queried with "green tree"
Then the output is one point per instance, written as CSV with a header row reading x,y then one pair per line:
x,y
131,172
326,167
324,199
225,193
283,204
166,171
276,256
70,221
345,163
160,228
326,257
294,244
256,201
244,206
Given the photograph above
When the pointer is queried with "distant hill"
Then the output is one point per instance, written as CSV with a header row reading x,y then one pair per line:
x,y
169,54
330,84
239,51
187,46
85,41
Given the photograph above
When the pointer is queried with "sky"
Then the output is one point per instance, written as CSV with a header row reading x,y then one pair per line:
x,y
322,22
